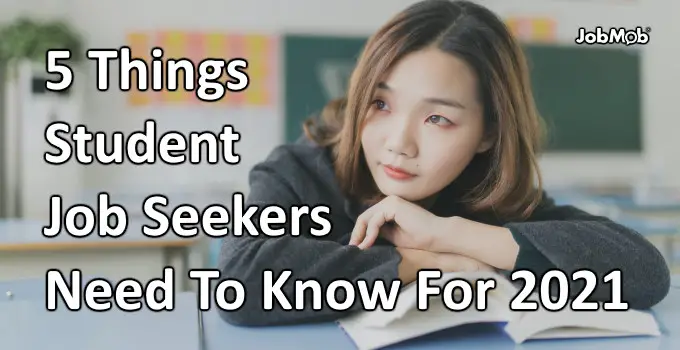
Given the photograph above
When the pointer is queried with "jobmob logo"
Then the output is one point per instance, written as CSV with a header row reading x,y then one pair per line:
x,y
600,36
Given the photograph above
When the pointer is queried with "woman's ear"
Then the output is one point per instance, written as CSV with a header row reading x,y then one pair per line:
x,y
487,143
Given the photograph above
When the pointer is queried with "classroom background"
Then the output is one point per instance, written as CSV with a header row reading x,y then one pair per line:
x,y
611,112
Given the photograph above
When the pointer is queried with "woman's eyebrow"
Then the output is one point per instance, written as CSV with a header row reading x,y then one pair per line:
x,y
445,102
431,100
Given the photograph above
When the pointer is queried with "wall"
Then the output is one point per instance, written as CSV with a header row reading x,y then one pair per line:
x,y
105,24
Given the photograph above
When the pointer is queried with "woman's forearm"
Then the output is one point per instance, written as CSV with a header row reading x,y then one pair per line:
x,y
492,245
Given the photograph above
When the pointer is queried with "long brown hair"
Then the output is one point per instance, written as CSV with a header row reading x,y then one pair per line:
x,y
505,180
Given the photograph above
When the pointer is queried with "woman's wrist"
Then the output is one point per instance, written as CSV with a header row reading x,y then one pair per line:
x,y
412,261
447,236
492,245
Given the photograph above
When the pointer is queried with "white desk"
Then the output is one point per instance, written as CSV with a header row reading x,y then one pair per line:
x,y
26,325
26,253
621,204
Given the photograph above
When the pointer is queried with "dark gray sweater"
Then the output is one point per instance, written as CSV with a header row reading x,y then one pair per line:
x,y
555,237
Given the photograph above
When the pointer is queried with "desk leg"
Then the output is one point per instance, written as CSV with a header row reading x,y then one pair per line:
x,y
184,256
673,252
178,258
670,251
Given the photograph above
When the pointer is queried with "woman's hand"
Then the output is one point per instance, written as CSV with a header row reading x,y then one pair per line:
x,y
405,224
414,260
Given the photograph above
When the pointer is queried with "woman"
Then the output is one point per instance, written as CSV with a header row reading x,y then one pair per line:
x,y
429,163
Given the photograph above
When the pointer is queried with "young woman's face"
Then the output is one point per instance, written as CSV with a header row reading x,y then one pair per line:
x,y
425,125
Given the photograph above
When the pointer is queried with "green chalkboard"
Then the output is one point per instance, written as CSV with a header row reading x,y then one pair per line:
x,y
589,97
317,70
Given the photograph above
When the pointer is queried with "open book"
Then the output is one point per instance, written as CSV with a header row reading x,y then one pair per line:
x,y
380,328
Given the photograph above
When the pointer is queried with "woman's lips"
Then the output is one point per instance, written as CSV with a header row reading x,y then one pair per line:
x,y
397,173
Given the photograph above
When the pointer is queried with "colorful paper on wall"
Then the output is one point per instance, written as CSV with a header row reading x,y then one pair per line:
x,y
260,51
140,48
532,29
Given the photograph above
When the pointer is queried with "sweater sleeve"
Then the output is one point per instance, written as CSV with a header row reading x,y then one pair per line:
x,y
246,258
569,239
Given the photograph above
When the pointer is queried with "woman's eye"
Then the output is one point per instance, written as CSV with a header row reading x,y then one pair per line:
x,y
438,119
380,105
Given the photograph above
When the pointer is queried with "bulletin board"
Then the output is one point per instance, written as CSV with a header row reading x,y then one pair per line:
x,y
261,52
589,97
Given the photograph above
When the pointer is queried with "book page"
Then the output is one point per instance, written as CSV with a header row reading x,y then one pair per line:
x,y
566,323
379,328
416,323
